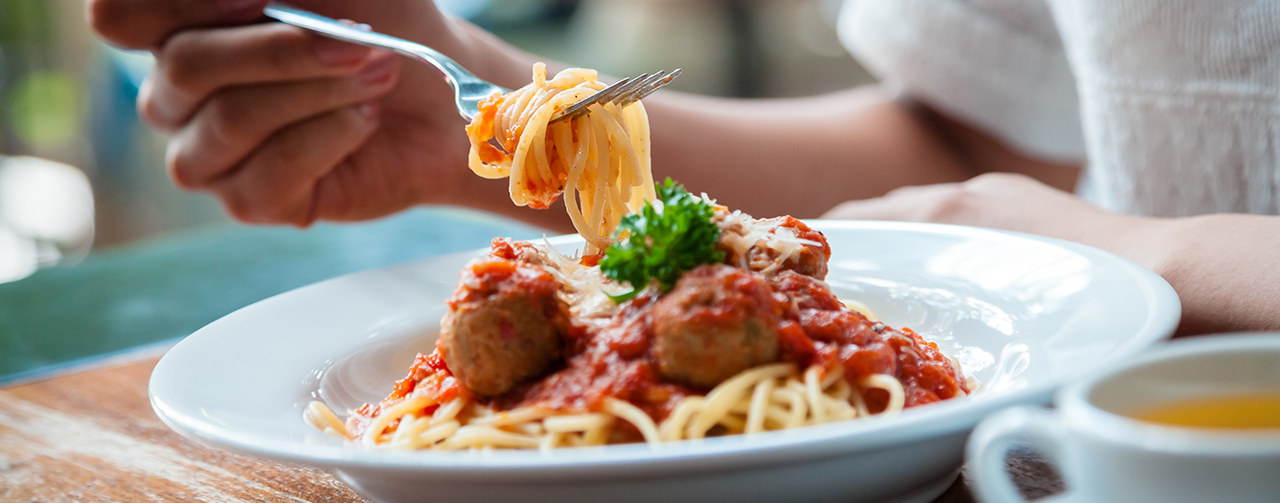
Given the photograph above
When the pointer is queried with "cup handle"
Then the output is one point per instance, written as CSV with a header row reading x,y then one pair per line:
x,y
990,443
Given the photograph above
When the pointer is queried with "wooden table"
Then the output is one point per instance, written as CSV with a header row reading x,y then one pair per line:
x,y
91,436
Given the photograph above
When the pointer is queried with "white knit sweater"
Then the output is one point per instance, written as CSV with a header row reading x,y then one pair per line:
x,y
1174,105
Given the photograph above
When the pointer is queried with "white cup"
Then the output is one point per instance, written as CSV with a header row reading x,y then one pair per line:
x,y
1104,455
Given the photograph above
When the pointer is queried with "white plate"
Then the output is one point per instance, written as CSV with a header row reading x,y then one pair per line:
x,y
1024,314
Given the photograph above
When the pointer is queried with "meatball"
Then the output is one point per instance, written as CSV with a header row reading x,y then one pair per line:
x,y
504,326
519,251
805,292
717,321
772,245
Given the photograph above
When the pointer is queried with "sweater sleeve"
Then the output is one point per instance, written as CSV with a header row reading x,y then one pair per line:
x,y
1180,102
996,64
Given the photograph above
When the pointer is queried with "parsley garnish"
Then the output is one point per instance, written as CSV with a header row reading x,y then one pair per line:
x,y
661,243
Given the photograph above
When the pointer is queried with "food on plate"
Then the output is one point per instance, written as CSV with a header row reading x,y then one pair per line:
x,y
681,319
696,321
599,161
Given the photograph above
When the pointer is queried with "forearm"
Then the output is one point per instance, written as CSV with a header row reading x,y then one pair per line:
x,y
1223,266
796,156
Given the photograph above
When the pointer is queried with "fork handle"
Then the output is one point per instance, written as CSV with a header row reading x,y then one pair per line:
x,y
336,29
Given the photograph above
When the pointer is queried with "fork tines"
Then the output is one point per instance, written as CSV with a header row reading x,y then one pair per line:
x,y
622,92
647,86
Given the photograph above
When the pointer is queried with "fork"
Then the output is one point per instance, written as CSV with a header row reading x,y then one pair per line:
x,y
468,89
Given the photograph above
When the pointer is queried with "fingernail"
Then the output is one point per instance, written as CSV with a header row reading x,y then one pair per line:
x,y
240,6
336,52
368,110
378,70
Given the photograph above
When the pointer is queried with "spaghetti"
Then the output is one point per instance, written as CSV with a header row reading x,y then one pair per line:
x,y
599,161
766,398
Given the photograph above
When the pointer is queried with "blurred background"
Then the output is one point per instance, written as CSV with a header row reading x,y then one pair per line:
x,y
79,172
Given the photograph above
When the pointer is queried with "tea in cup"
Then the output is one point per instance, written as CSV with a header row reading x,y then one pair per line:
x,y
1194,420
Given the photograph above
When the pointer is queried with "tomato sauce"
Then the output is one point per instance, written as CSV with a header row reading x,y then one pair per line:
x,y
484,122
428,374
864,347
616,360
610,361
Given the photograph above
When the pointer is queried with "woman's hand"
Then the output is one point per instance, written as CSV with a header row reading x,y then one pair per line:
x,y
997,200
1015,203
284,126
1221,265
